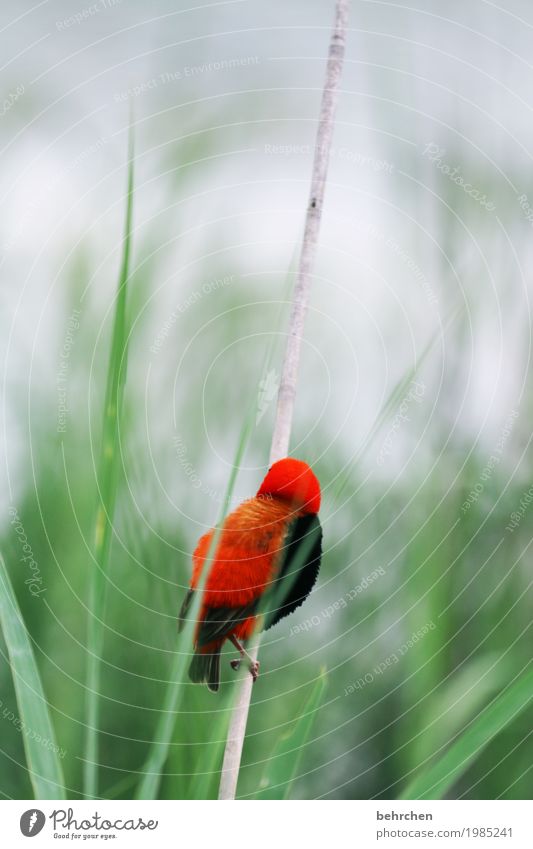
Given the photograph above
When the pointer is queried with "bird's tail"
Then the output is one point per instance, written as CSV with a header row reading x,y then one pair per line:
x,y
206,668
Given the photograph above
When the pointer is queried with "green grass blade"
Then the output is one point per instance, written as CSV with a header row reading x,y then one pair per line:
x,y
393,400
453,704
149,784
152,771
282,768
107,488
42,757
158,754
433,782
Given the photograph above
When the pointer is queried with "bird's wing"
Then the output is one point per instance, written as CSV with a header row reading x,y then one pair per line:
x,y
218,622
298,570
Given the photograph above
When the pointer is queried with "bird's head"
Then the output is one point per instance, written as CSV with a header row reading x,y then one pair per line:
x,y
294,481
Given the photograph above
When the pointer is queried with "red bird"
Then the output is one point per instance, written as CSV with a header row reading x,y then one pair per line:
x,y
272,542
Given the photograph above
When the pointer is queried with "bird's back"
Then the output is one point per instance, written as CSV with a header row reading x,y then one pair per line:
x,y
249,548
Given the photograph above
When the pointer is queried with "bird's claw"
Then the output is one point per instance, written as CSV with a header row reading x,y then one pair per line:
x,y
253,667
254,670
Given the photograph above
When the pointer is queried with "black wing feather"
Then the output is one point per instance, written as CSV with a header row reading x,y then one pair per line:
x,y
299,569
219,621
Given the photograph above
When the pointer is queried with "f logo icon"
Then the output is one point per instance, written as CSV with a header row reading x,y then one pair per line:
x,y
32,822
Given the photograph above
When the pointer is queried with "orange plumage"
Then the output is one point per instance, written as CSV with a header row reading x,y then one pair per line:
x,y
257,545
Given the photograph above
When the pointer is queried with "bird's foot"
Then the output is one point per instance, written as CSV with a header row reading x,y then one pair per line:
x,y
254,669
253,664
